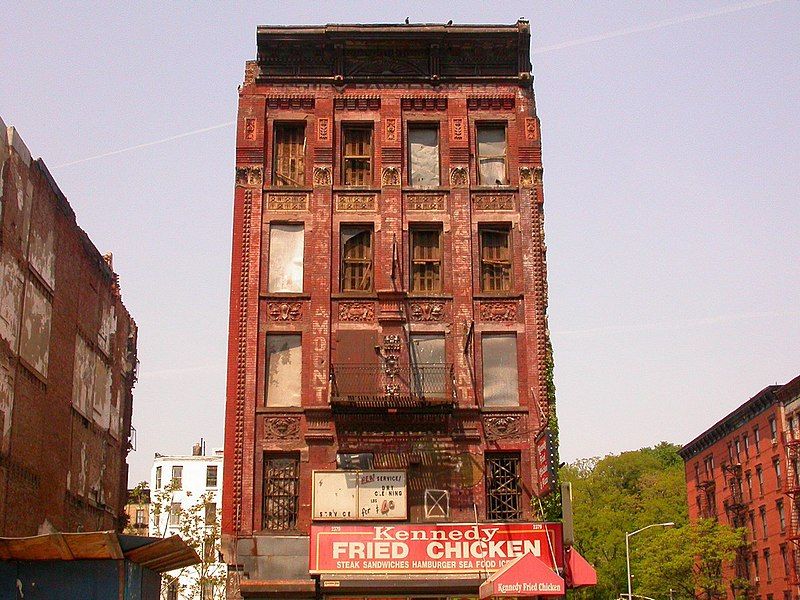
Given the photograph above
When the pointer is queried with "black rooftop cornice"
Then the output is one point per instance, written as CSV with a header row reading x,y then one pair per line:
x,y
394,53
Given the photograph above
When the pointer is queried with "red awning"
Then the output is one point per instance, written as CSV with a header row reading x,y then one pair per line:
x,y
579,571
523,576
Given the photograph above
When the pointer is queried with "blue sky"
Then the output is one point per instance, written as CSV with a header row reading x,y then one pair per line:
x,y
671,148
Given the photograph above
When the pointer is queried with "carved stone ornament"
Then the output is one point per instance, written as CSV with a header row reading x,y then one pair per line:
x,y
499,311
426,311
282,427
250,129
493,202
249,175
391,129
359,312
355,202
525,177
538,174
499,427
459,177
390,177
285,311
425,202
322,176
391,343
323,129
457,129
287,202
531,129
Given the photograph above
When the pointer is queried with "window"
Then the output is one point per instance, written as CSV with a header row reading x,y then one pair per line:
x,y
172,589
288,164
211,476
495,260
776,464
492,155
207,588
210,513
426,260
762,512
209,549
500,382
284,369
423,155
738,447
730,451
753,523
781,515
175,514
139,518
749,479
757,439
697,472
286,246
760,477
429,376
785,559
177,477
357,155
767,565
356,268
503,489
773,430
746,445
755,564
281,489
158,478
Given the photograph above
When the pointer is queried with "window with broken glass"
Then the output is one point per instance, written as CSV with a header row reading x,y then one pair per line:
x,y
503,487
492,155
288,165
357,155
356,268
284,370
426,260
495,259
429,373
423,155
281,490
500,372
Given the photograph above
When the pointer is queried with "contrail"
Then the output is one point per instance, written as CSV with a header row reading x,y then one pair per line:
x,y
146,144
656,25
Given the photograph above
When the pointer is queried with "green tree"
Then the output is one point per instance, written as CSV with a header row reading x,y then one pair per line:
x,y
622,493
198,524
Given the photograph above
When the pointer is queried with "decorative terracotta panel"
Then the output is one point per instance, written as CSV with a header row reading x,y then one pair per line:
x,y
285,311
287,201
355,202
425,202
499,311
323,129
491,202
358,312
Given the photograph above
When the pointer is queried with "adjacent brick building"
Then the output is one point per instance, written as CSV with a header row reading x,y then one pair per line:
x,y
743,471
67,361
388,305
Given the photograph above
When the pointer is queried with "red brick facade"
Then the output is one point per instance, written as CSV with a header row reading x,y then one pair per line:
x,y
385,79
67,361
743,471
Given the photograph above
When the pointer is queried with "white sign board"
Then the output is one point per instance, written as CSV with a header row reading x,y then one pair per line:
x,y
359,495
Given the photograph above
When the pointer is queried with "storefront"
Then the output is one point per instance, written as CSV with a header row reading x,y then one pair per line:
x,y
445,560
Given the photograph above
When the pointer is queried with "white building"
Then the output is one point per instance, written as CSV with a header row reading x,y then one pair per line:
x,y
186,498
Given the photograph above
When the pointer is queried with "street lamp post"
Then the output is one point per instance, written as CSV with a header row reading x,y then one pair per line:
x,y
628,536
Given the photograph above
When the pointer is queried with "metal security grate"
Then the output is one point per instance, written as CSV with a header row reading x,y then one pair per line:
x,y
281,486
503,492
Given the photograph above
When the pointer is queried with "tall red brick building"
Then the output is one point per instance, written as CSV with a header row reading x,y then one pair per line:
x,y
67,361
388,354
743,471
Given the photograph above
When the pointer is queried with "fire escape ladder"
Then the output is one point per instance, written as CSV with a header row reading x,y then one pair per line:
x,y
793,492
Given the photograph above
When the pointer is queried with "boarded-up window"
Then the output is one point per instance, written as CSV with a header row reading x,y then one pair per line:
x,y
281,492
503,487
495,260
286,245
428,370
492,155
284,368
426,260
500,384
357,155
423,151
356,259
34,344
289,155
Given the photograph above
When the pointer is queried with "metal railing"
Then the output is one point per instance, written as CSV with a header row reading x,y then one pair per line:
x,y
392,384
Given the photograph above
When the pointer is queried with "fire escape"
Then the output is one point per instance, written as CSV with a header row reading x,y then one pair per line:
x,y
793,491
708,503
736,511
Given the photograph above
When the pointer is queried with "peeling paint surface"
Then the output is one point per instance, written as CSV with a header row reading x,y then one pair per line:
x,y
83,377
102,392
108,325
284,356
42,255
11,286
34,344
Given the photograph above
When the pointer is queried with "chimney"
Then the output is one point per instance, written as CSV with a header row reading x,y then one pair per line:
x,y
197,450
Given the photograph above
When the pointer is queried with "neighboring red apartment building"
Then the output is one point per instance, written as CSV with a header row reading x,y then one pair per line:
x,y
743,471
67,361
388,355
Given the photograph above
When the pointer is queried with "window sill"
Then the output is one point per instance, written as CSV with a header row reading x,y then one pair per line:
x,y
494,188
504,409
278,409
288,189
439,189
498,296
354,189
354,295
285,296
428,296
